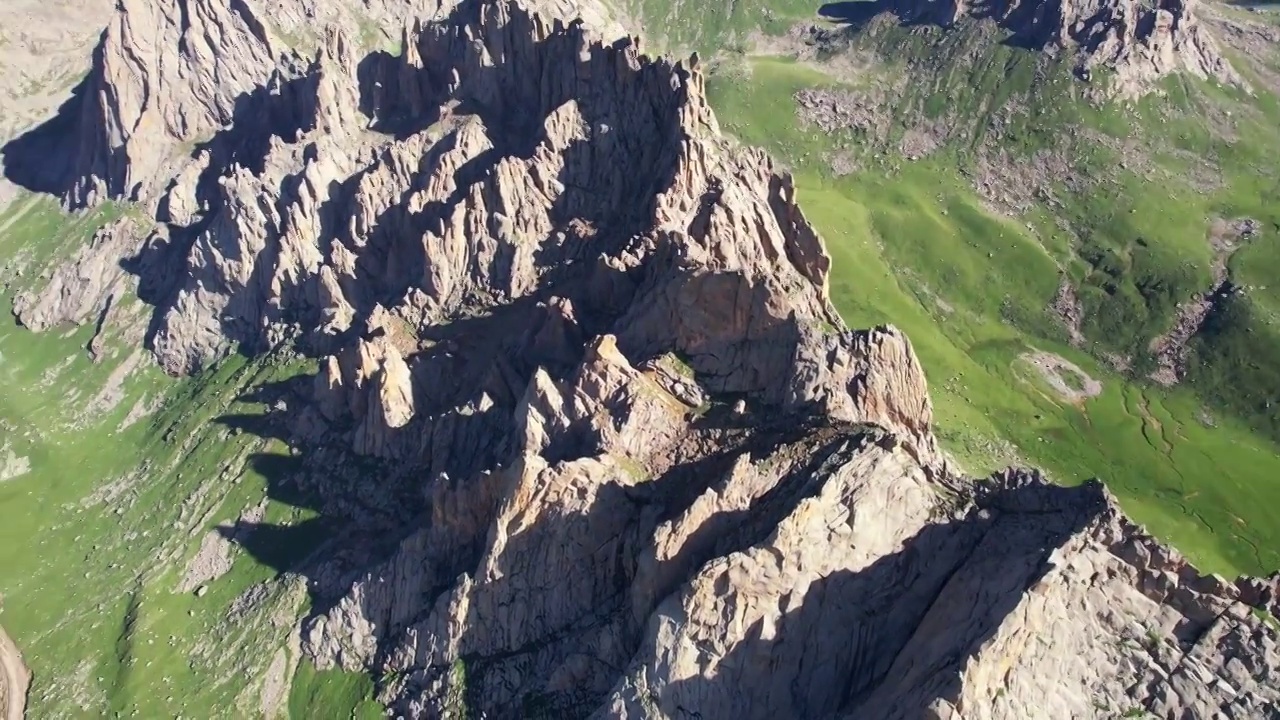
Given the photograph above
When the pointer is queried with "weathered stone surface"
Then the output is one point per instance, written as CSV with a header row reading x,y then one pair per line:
x,y
15,679
165,74
389,403
47,44
83,289
615,454
1024,605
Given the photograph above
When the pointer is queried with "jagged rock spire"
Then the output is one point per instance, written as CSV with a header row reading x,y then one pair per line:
x,y
639,465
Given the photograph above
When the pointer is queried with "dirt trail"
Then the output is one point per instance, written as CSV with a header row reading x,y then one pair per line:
x,y
14,679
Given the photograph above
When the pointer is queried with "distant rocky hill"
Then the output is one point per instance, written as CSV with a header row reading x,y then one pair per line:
x,y
604,445
1137,42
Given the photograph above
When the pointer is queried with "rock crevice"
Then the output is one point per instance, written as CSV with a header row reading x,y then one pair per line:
x,y
604,446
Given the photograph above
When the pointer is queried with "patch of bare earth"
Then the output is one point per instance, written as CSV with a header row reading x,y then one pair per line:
x,y
925,138
1055,370
1171,349
1012,185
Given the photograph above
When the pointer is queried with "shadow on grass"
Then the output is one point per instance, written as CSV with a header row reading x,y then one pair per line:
x,y
1027,30
855,12
360,507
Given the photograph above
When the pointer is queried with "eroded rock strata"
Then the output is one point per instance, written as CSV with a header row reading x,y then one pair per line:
x,y
599,443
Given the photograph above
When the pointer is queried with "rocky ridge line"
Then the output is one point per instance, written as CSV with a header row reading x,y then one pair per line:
x,y
606,448
1137,42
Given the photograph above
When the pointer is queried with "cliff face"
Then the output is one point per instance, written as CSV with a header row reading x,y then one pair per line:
x,y
629,461
164,73
1020,600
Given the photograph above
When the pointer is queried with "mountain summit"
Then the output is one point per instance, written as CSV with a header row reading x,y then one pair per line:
x,y
600,443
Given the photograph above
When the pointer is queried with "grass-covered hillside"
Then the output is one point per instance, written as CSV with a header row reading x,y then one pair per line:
x,y
987,200
118,486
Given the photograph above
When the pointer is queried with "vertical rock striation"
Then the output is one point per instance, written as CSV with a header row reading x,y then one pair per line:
x,y
165,74
604,444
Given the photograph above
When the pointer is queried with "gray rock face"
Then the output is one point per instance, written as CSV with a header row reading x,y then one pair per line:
x,y
579,375
84,289
1024,601
46,42
167,77
165,74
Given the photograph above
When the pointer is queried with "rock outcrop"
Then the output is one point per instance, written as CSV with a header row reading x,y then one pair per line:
x,y
169,78
1021,600
14,679
1138,42
46,43
603,443
165,74
83,289
1172,350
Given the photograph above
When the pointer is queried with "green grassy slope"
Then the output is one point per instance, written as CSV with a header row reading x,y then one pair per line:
x,y
1134,239
684,26
102,516
913,245
332,694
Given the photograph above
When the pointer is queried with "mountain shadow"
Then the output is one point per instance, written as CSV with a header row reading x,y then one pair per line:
x,y
42,159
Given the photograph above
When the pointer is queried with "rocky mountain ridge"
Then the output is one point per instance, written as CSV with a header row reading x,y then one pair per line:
x,y
1134,44
579,375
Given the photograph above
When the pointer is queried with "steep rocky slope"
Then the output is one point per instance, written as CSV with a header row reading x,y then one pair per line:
x,y
45,46
600,443
14,679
